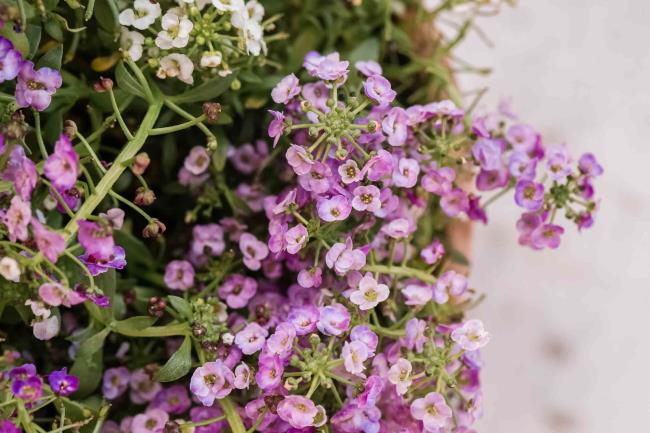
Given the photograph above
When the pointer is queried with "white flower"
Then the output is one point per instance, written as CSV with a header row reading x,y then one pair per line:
x,y
38,308
254,38
175,33
143,14
131,42
228,5
369,293
242,14
400,375
354,354
176,65
46,329
227,338
471,335
211,59
9,269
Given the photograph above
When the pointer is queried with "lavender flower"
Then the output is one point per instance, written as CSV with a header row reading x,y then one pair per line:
x,y
36,87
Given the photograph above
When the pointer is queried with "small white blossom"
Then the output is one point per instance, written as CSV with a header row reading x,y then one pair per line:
x,y
228,338
400,375
176,65
211,59
9,269
143,14
228,5
131,42
254,38
176,31
369,293
46,329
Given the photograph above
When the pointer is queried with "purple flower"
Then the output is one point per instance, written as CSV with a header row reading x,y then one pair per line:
x,y
312,277
449,284
523,138
17,219
398,228
317,180
200,413
547,235
29,389
286,89
368,67
115,382
207,239
432,410
378,89
349,172
299,159
336,208
197,161
364,334
296,237
488,153
416,294
7,426
96,239
589,166
10,60
298,411
304,319
62,166
415,338
281,341
173,399
406,173
96,266
328,68
251,339
242,376
343,258
379,166
400,375
489,180
471,335
213,380
522,166
558,164
529,195
152,421
433,252
22,172
369,293
454,202
269,375
50,243
354,354
179,275
439,181
334,319
143,387
35,88
55,294
22,372
316,93
63,383
474,211
237,290
366,198
276,126
253,250
395,126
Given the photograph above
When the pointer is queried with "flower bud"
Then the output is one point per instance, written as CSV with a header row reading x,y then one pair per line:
x,y
198,330
341,154
211,111
140,163
69,128
171,427
156,306
15,128
154,229
305,105
235,85
103,85
144,196
373,126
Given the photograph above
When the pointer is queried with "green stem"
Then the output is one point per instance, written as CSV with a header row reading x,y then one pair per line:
x,y
179,127
130,204
91,152
234,420
118,115
178,110
39,136
156,331
401,271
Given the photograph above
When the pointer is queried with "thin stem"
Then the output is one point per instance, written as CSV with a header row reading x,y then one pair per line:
x,y
82,266
91,152
59,197
401,271
234,420
39,136
141,78
179,127
178,110
118,115
130,204
205,422
496,196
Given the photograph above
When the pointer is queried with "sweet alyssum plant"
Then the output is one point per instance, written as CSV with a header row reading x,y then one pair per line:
x,y
233,216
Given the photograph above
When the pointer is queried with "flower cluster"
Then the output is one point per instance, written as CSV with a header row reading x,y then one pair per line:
x,y
214,38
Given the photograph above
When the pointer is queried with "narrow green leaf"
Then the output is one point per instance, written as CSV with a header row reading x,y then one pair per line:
x,y
181,305
51,59
89,361
206,91
137,323
179,363
126,81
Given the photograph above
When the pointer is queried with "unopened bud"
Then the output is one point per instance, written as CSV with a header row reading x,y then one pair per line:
x,y
235,85
144,196
171,427
373,126
69,128
341,154
156,306
16,128
103,85
211,111
154,229
140,163
305,105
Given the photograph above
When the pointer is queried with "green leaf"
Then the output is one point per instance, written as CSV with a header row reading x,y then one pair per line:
x,y
181,305
179,363
249,77
367,50
126,81
220,155
53,28
33,33
137,323
19,40
51,59
206,91
88,364
105,15
136,251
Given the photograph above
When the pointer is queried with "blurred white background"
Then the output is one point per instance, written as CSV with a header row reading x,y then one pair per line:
x,y
571,341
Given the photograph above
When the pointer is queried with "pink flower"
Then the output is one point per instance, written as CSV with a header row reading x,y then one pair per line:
x,y
406,174
276,127
349,172
369,293
317,180
269,375
55,294
115,382
207,239
213,380
251,339
337,208
471,335
395,126
50,243
343,258
237,290
378,89
328,68
296,237
432,252
454,202
152,421
312,277
281,341
366,198
547,235
449,284
96,239
242,376
298,411
399,228
368,67
286,89
143,387
432,410
17,219
299,159
304,319
354,354
22,172
400,375
379,166
254,251
179,275
62,166
417,294
334,319
197,161
439,181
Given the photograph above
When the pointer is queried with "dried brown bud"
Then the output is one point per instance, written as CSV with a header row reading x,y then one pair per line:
x,y
156,306
211,111
198,330
144,197
15,128
103,85
154,229
69,128
140,163
171,427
